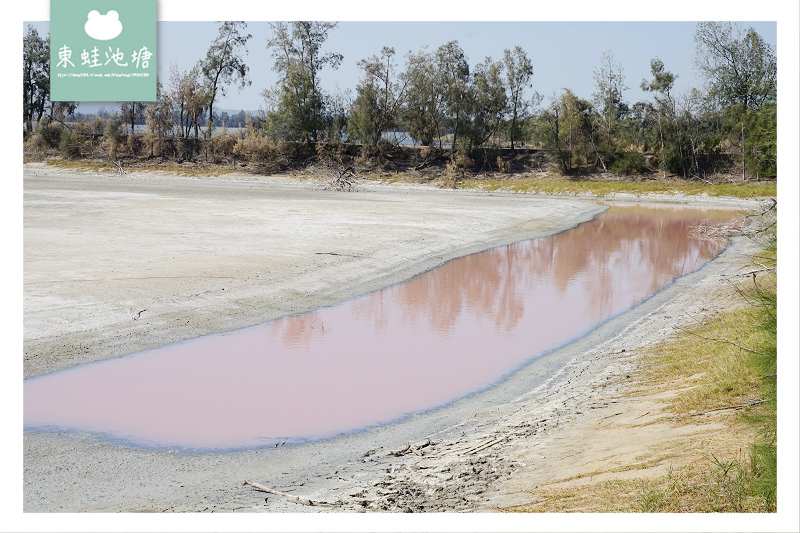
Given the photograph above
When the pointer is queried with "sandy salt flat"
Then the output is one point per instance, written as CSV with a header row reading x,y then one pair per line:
x,y
115,265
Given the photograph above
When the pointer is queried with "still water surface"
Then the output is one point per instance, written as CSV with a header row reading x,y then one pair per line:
x,y
440,336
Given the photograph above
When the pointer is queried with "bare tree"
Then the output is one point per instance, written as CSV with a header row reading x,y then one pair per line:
x,y
158,116
132,113
224,64
609,83
189,97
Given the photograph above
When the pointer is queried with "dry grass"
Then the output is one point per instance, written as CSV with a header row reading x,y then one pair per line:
x,y
707,362
107,167
713,487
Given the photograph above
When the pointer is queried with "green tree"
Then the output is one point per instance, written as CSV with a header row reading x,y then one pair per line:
x,y
489,102
378,98
740,68
113,135
338,108
35,77
224,64
609,111
423,106
363,125
454,82
565,129
664,104
297,101
519,71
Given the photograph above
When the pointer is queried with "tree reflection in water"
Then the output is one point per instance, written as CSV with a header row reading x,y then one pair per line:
x,y
444,334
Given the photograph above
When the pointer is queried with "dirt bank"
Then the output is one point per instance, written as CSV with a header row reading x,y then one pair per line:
x,y
115,265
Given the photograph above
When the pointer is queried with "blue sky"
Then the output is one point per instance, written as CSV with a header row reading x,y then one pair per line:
x,y
564,54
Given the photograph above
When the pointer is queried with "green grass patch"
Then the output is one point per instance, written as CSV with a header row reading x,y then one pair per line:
x,y
603,188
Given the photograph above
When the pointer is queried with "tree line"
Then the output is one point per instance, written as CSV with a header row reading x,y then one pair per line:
x,y
438,99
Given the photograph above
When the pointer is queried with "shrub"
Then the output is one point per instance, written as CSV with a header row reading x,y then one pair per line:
x,y
113,137
70,144
133,143
222,146
461,160
502,165
628,164
50,133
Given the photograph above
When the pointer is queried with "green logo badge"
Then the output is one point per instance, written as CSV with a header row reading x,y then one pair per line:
x,y
103,50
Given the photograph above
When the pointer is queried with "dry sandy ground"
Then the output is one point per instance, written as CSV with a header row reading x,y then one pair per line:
x,y
118,264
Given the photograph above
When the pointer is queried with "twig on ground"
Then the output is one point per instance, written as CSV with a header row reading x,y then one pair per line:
x,y
292,498
754,272
338,175
120,170
740,406
717,232
719,339
349,255
404,450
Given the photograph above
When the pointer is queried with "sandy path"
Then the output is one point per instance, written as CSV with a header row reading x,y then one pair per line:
x,y
203,256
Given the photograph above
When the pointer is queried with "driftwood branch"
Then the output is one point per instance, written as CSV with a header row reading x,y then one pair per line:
x,y
754,272
338,175
414,450
291,497
720,339
404,450
120,170
349,255
740,406
484,446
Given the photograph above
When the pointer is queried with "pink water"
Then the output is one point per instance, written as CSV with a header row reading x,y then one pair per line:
x,y
442,335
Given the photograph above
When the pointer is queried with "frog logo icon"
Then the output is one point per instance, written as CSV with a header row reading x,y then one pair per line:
x,y
103,27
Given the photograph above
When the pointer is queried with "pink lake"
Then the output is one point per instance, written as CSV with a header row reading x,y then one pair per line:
x,y
440,336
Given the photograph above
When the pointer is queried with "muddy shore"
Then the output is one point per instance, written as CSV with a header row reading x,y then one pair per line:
x,y
118,264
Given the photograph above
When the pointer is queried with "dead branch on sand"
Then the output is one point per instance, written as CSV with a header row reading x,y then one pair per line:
x,y
338,175
292,498
718,233
730,407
